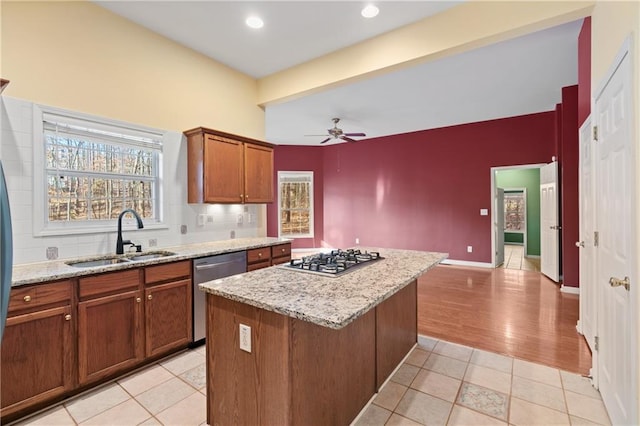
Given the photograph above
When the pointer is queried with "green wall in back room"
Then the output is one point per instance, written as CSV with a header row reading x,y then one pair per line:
x,y
530,179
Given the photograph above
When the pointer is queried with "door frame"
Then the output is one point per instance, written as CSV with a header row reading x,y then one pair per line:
x,y
493,197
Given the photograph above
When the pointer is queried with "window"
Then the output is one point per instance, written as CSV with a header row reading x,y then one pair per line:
x,y
515,210
92,169
295,203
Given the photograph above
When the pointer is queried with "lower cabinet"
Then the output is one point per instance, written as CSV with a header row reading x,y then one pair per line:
x,y
38,352
110,330
168,312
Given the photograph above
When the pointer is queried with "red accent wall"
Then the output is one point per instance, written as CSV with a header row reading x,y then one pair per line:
x,y
299,158
584,71
421,190
569,186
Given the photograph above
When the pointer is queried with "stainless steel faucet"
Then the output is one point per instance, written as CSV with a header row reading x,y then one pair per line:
x,y
119,243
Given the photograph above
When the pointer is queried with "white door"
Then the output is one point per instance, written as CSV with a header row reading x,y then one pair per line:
x,y
549,222
498,206
586,190
616,253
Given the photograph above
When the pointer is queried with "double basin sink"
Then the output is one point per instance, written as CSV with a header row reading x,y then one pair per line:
x,y
121,258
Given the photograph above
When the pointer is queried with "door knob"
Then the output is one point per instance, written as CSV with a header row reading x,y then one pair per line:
x,y
579,243
617,282
556,227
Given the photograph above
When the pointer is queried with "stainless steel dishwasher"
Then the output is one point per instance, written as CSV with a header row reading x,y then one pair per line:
x,y
208,269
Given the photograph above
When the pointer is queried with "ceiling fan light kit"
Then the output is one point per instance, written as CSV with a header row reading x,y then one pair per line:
x,y
337,133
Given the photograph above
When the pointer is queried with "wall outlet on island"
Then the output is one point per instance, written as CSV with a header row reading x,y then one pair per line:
x,y
245,338
357,240
469,249
153,242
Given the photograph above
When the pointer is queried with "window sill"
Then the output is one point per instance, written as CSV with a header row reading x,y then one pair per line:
x,y
106,229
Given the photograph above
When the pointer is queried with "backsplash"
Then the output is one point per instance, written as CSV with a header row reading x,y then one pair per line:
x,y
203,222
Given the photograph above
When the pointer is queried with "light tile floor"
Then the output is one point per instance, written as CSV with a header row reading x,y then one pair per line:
x,y
514,258
443,383
439,383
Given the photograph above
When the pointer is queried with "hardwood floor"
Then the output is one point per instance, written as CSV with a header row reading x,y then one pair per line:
x,y
512,312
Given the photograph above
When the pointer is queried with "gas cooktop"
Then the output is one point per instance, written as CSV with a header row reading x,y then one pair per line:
x,y
334,263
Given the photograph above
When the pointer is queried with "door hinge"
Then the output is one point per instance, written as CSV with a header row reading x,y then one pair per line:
x,y
596,238
595,133
596,343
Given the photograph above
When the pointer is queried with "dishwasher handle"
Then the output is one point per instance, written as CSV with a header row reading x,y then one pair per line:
x,y
206,266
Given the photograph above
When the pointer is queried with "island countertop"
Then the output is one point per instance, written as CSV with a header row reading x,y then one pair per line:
x,y
331,301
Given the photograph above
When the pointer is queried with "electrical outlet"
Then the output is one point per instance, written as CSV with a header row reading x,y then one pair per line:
x,y
232,234
245,338
210,218
52,253
183,229
200,220
469,249
153,242
240,219
357,240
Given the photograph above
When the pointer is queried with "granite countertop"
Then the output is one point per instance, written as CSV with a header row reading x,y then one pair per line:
x,y
30,273
331,302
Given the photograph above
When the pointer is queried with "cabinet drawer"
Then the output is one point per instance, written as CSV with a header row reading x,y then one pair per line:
x,y
109,283
39,295
167,271
280,260
258,265
259,255
281,250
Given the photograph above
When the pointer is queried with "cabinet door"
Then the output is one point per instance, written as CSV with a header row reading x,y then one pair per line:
x,y
37,358
109,335
223,179
167,316
258,174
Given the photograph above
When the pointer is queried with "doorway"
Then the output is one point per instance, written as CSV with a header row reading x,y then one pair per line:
x,y
516,241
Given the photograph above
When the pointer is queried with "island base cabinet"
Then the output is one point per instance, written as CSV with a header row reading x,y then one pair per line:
x,y
37,359
109,335
396,330
297,373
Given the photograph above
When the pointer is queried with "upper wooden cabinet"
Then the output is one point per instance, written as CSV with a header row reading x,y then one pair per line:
x,y
226,168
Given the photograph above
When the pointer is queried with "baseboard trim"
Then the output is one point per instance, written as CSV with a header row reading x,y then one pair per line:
x,y
568,289
466,263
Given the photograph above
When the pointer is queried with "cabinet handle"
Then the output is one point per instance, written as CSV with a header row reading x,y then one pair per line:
x,y
138,300
283,250
150,296
67,317
259,254
27,298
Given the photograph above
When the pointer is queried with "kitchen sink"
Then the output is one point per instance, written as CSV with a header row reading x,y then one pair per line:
x,y
150,255
98,262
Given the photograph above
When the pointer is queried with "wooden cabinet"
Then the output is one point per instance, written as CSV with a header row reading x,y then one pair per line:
x,y
38,361
226,168
168,313
258,258
280,253
264,257
110,329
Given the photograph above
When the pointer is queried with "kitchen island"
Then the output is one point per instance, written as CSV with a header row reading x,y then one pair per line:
x,y
321,346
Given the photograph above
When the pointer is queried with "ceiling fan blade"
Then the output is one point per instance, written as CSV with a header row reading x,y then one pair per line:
x,y
315,136
355,134
326,140
343,137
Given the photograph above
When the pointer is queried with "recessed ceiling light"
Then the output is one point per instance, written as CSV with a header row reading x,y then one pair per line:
x,y
370,11
254,22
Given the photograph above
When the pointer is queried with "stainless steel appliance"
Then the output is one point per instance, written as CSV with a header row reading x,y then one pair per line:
x,y
334,263
6,251
209,269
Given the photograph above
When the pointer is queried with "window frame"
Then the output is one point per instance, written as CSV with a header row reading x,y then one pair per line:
x,y
293,174
42,227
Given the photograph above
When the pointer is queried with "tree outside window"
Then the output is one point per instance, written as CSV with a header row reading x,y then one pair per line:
x,y
295,198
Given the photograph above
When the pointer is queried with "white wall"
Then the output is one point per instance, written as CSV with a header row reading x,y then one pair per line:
x,y
16,153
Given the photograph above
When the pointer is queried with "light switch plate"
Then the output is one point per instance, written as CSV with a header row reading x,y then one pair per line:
x,y
484,212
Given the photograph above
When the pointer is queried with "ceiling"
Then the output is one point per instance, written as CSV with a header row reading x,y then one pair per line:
x,y
514,77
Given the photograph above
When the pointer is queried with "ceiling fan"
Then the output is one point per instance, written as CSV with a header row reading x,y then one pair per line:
x,y
337,133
